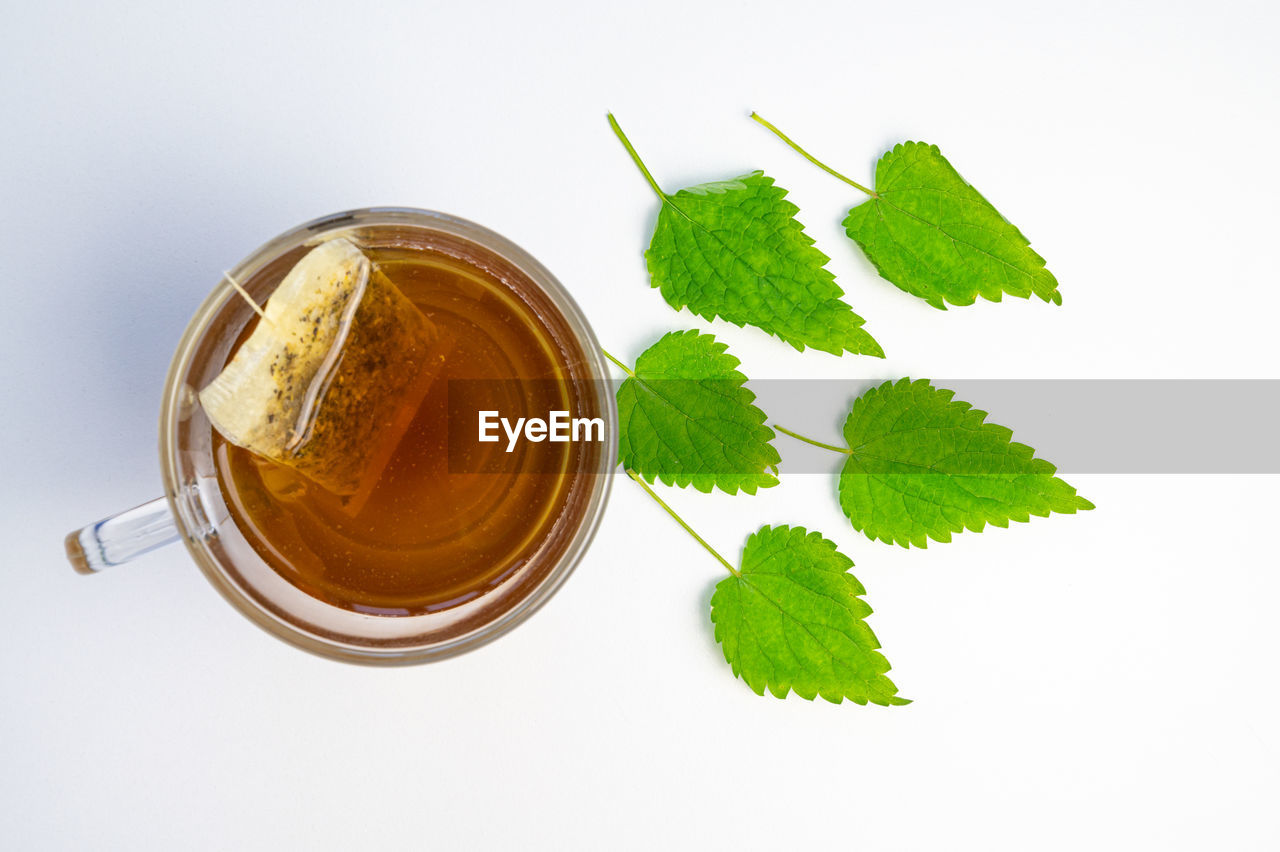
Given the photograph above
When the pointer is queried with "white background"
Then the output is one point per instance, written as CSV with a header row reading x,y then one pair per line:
x,y
1100,681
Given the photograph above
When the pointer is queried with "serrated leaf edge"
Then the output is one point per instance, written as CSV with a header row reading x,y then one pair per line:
x,y
922,542
936,300
682,480
798,534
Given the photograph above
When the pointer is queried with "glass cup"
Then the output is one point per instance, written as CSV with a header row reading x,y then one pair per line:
x,y
193,508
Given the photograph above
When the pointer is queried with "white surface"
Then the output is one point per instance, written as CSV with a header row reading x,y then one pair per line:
x,y
1103,681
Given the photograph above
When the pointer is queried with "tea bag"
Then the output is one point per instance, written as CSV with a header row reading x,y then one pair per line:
x,y
329,380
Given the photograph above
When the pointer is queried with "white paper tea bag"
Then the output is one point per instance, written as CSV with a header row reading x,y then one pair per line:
x,y
329,380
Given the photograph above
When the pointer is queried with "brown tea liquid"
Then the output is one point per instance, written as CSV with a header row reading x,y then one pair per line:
x,y
431,532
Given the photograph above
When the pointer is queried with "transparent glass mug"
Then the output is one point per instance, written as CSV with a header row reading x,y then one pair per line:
x,y
194,509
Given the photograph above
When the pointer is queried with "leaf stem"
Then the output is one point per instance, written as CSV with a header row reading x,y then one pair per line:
x,y
626,143
619,364
803,153
679,520
845,450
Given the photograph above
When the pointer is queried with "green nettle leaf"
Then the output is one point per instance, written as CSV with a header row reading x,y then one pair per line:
x,y
932,234
734,250
923,466
686,419
792,619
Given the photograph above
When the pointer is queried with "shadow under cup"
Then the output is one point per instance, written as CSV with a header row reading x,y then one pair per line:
x,y
223,552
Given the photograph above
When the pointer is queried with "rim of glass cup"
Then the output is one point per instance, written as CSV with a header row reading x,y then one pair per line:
x,y
189,521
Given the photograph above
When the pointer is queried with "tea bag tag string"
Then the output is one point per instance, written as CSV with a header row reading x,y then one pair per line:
x,y
244,294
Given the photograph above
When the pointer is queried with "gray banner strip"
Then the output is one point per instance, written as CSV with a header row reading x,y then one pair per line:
x,y
1225,426
1080,425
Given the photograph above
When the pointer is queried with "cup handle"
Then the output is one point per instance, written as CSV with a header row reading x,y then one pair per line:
x,y
119,538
